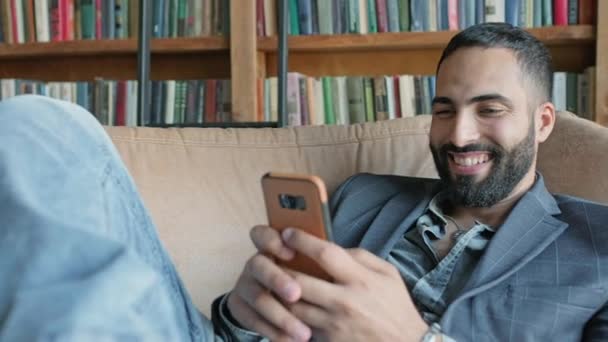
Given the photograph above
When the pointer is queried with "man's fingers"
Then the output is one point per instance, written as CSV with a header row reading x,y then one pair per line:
x,y
251,320
331,257
316,291
272,311
312,315
371,261
268,240
273,278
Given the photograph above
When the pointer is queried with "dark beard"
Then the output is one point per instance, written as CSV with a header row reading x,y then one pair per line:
x,y
508,169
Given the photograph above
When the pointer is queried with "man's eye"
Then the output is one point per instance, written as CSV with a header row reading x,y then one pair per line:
x,y
490,111
443,112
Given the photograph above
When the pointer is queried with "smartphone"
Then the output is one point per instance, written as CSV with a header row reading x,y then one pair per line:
x,y
298,201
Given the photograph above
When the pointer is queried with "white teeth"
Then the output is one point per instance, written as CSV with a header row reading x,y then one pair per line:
x,y
471,160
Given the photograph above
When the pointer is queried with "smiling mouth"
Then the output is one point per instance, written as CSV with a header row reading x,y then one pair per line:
x,y
470,158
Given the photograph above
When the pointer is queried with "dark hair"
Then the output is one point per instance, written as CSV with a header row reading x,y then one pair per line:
x,y
534,58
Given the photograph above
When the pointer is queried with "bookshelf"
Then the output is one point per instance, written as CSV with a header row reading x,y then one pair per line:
x,y
176,58
573,49
244,57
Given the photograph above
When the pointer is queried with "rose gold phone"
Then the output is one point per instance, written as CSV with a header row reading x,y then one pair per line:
x,y
298,201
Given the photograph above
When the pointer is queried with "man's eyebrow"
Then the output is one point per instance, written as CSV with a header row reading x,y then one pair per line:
x,y
491,97
442,100
480,98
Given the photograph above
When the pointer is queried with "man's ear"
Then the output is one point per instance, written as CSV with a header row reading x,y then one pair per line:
x,y
544,121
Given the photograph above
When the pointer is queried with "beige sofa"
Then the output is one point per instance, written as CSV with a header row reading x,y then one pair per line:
x,y
203,191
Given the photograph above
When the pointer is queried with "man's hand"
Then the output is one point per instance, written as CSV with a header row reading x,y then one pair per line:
x,y
367,301
256,301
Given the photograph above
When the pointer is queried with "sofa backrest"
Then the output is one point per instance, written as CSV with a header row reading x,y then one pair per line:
x,y
202,186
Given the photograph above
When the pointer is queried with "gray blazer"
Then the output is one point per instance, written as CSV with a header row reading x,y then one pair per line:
x,y
543,276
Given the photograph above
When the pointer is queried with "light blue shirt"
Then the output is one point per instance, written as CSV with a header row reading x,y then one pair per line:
x,y
435,283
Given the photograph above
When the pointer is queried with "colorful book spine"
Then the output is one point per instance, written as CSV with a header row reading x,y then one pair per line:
x,y
560,12
548,13
328,102
294,115
382,15
325,10
392,8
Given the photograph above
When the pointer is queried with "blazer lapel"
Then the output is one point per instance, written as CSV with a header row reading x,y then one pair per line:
x,y
528,230
396,217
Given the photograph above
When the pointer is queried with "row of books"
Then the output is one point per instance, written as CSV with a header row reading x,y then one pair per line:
x,y
308,17
575,92
338,100
112,102
344,100
24,21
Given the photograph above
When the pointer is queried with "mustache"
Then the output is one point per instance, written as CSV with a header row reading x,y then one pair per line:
x,y
449,147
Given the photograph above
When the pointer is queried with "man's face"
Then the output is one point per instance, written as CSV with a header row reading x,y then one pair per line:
x,y
482,137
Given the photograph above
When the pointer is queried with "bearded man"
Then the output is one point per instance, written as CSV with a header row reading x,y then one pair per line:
x,y
484,254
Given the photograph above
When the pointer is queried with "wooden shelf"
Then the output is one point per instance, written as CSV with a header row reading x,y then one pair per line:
x,y
573,48
179,58
555,35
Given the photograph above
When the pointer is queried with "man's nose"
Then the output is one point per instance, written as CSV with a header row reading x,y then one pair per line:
x,y
465,129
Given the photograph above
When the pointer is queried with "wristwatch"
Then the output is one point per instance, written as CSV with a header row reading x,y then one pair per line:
x,y
433,334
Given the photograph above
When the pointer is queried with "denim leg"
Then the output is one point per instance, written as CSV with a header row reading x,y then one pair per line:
x,y
79,255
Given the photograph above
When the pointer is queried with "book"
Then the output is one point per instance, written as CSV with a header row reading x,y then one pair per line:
x,y
587,12
538,13
356,99
572,12
42,20
325,15
523,13
363,17
591,73
310,101
390,97
397,96
453,23
462,14
571,92
560,12
294,114
431,16
548,13
480,11
407,96
512,12
392,9
495,11
319,108
304,108
293,18
353,17
404,15
270,17
582,95
328,102
559,90
419,12
274,101
305,16
382,15
340,100
370,110
372,16
380,98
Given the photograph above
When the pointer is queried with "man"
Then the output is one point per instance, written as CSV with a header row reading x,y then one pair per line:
x,y
485,254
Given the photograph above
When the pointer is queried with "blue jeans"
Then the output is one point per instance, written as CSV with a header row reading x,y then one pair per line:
x,y
79,256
